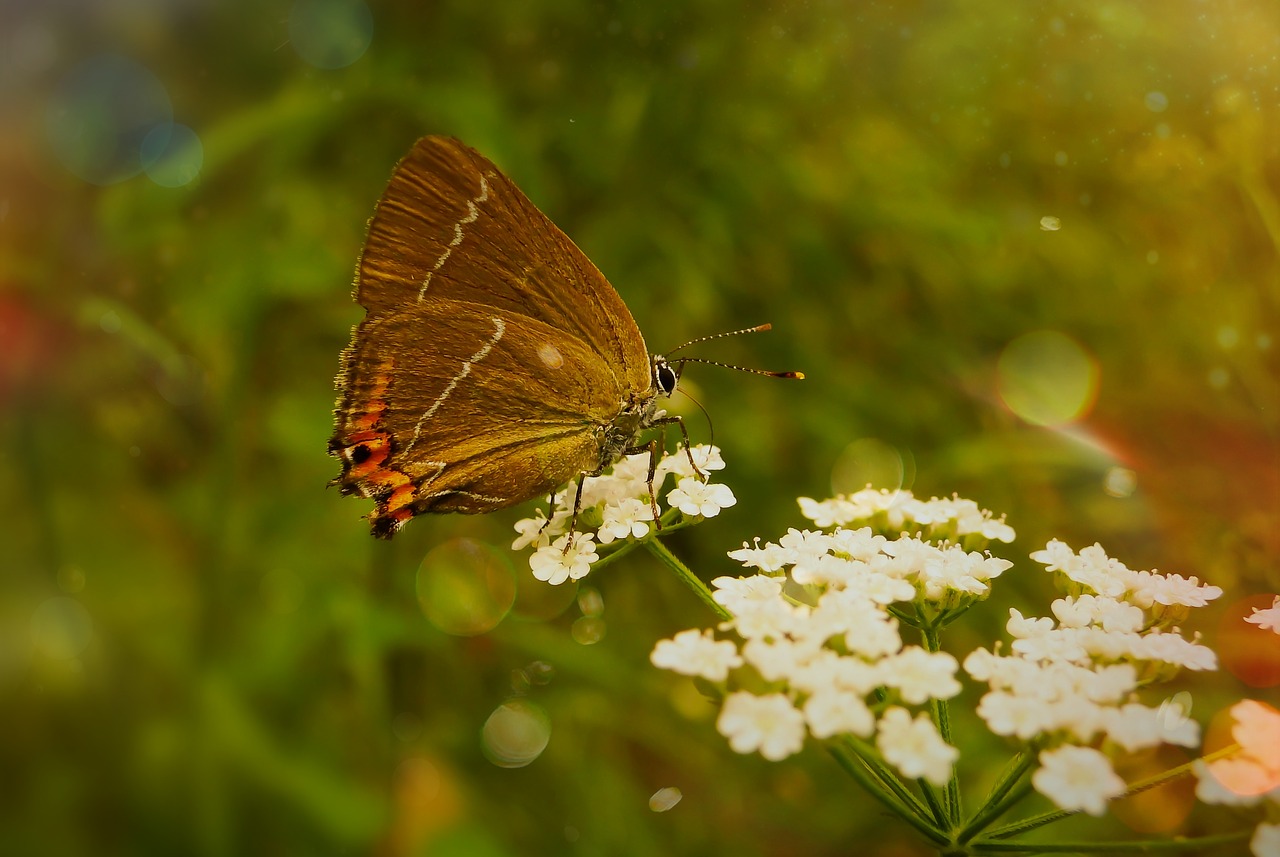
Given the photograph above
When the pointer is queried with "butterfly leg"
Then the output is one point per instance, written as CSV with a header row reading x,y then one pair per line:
x,y
652,448
688,449
653,469
551,513
577,506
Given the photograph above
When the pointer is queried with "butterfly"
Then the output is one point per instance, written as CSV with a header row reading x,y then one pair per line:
x,y
495,363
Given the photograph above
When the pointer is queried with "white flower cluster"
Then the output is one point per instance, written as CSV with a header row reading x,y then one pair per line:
x,y
816,639
616,507
954,519
1072,678
1250,776
1166,597
884,570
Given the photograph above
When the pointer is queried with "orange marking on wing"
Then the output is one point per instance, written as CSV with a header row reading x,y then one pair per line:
x,y
389,479
379,447
394,491
400,497
376,402
362,430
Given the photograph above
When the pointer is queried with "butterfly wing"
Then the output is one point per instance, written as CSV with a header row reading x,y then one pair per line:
x,y
466,408
450,226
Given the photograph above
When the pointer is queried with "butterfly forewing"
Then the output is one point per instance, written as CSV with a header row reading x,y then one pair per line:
x,y
451,226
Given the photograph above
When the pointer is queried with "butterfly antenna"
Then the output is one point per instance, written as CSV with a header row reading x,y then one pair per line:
x,y
767,373
759,328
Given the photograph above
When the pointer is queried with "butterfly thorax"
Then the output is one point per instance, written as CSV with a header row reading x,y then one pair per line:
x,y
616,437
639,412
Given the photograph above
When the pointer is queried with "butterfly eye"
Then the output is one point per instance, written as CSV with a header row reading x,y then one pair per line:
x,y
360,454
665,376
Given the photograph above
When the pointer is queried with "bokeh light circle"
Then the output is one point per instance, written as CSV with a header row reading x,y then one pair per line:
x,y
61,628
1047,378
535,674
665,798
172,154
1158,810
540,672
870,461
516,733
1245,650
330,33
1248,778
466,587
1156,101
590,601
588,630
1120,482
71,579
97,119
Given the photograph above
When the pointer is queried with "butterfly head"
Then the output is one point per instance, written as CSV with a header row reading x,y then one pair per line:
x,y
665,376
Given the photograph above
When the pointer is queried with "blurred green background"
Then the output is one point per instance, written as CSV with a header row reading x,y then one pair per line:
x,y
1026,252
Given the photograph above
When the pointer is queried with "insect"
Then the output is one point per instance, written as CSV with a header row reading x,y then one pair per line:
x,y
494,363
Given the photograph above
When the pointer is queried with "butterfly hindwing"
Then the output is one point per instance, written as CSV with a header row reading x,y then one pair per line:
x,y
492,410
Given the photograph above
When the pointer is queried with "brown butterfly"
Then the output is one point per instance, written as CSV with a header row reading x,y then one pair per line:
x,y
495,363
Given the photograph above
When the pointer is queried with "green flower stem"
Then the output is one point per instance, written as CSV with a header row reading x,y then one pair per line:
x,y
951,614
887,779
1139,846
1179,772
691,580
937,806
951,792
996,804
1014,797
856,767
1029,824
903,616
941,713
